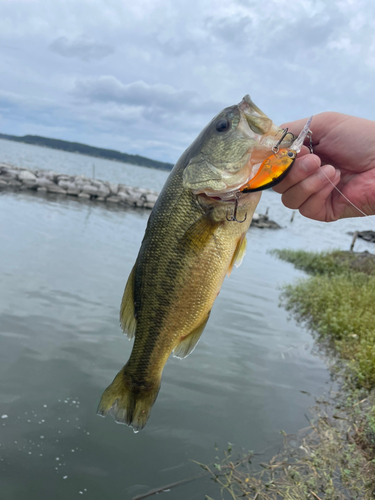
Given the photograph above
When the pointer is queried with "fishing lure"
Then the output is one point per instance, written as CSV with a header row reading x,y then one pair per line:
x,y
276,167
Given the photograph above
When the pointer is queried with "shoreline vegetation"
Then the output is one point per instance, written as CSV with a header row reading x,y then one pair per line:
x,y
84,149
334,457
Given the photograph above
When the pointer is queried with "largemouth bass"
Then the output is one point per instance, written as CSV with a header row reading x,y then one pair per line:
x,y
192,241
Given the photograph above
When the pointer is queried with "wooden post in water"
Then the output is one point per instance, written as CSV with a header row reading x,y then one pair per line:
x,y
355,236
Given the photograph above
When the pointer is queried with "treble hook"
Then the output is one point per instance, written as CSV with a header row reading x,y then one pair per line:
x,y
275,149
233,216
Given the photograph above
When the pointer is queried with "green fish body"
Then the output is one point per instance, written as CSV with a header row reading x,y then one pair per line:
x,y
189,246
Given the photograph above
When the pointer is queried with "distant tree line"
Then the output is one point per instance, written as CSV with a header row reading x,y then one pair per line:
x,y
76,147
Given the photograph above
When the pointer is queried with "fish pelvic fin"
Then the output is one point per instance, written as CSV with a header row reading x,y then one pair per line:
x,y
127,312
188,343
239,254
129,403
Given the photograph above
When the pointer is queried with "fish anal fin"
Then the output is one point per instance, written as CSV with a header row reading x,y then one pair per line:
x,y
127,312
239,253
188,343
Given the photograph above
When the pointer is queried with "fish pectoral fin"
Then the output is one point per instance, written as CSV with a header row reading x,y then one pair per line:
x,y
127,312
199,233
188,343
239,254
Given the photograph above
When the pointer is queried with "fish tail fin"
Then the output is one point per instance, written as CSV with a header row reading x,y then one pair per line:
x,y
128,402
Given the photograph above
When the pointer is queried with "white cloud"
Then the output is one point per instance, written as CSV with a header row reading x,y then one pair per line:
x,y
82,47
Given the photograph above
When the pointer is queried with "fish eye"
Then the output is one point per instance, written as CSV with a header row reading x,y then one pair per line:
x,y
222,125
290,154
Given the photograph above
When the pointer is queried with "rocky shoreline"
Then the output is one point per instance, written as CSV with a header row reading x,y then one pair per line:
x,y
79,186
42,181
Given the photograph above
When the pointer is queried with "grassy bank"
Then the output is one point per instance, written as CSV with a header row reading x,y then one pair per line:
x,y
334,457
338,303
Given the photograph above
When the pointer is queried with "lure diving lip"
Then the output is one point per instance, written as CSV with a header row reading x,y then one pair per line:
x,y
276,167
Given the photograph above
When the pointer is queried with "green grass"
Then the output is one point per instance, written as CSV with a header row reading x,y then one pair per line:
x,y
338,303
334,262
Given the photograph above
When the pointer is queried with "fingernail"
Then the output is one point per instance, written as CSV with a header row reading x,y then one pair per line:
x,y
329,171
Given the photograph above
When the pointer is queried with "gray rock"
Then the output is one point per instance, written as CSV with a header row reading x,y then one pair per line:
x,y
127,199
73,191
67,184
84,195
123,195
51,175
63,177
103,192
31,184
25,175
113,199
14,184
54,188
151,197
82,178
3,183
7,174
97,183
100,198
91,190
141,190
148,204
113,187
42,189
44,182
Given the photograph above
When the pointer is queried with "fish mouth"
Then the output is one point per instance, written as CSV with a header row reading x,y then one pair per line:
x,y
255,124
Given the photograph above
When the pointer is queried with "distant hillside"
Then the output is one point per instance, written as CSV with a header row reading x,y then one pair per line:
x,y
84,149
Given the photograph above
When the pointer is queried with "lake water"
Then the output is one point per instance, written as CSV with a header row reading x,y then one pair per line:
x,y
64,264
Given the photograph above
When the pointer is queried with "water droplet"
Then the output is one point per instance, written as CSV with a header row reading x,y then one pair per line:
x,y
4,416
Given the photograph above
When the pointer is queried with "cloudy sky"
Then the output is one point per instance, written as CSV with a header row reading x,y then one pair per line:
x,y
145,76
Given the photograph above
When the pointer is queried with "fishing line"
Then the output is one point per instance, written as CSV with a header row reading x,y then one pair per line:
x,y
342,194
310,146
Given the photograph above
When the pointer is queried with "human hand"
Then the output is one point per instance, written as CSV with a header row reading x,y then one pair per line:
x,y
344,148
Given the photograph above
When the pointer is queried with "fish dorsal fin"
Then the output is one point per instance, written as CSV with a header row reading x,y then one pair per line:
x,y
127,312
198,234
239,254
188,343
